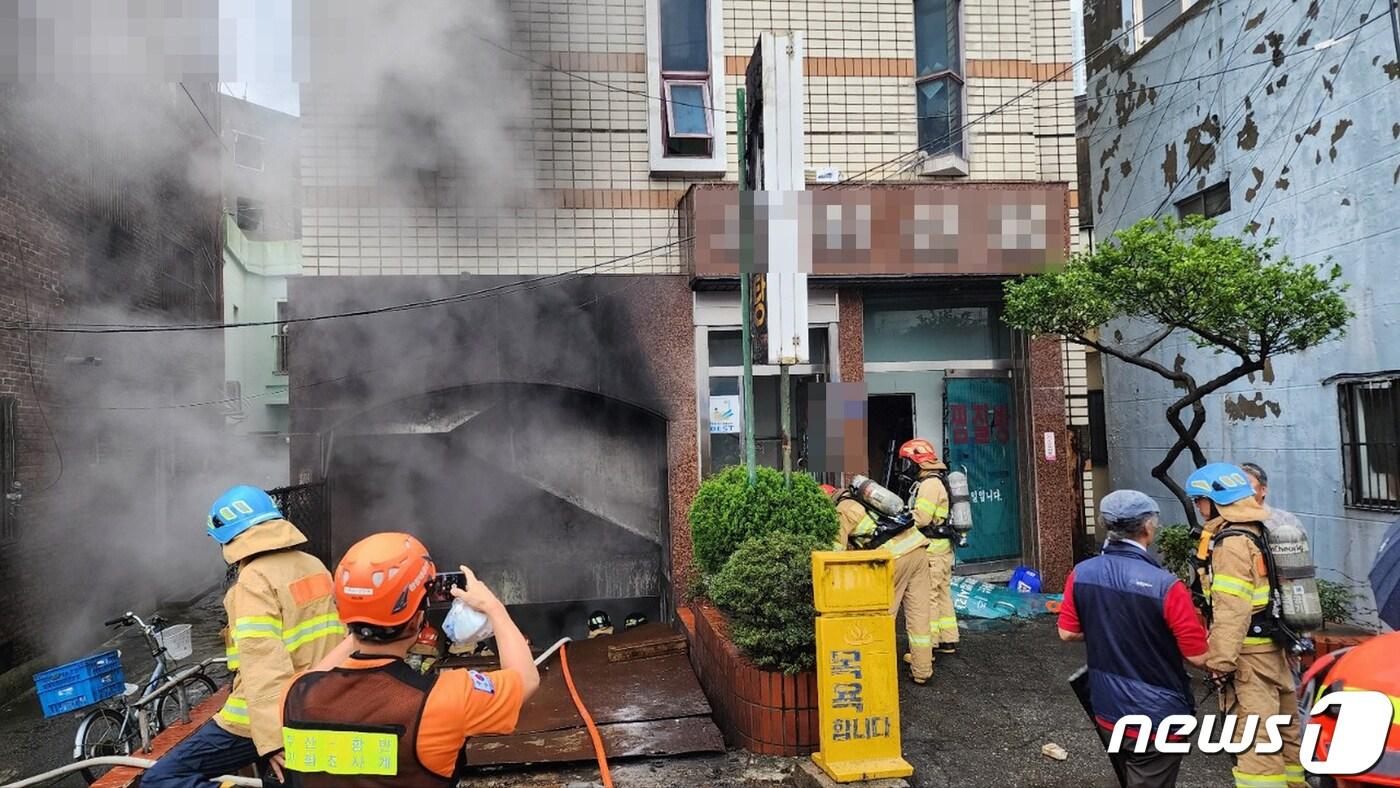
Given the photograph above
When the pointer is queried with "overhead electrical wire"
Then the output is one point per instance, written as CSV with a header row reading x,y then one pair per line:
x,y
1005,105
1284,163
149,328
1239,112
355,373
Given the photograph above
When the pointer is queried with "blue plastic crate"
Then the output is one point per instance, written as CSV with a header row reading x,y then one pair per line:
x,y
83,692
85,668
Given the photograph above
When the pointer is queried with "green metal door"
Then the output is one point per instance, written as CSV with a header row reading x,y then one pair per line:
x,y
980,436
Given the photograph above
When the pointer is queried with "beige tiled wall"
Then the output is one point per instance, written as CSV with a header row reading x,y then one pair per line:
x,y
594,197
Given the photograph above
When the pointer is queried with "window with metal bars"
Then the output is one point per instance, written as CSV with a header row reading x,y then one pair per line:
x,y
9,466
1370,412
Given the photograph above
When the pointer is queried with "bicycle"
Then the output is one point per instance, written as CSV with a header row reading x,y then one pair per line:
x,y
130,721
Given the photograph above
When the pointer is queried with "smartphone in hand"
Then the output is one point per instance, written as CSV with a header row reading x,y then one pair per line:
x,y
440,588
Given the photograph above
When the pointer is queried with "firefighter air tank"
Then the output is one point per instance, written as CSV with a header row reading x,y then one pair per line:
x,y
960,510
876,496
1297,575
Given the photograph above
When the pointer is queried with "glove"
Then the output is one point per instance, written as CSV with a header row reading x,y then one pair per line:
x,y
1222,681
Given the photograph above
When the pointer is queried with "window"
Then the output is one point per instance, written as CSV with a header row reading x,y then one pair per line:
x,y
1147,18
280,340
247,151
724,354
248,214
686,120
9,466
1208,203
938,81
1371,442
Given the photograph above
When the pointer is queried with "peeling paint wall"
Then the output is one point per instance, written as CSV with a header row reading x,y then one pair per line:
x,y
1297,104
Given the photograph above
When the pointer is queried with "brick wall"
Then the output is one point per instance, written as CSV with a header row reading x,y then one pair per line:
x,y
60,216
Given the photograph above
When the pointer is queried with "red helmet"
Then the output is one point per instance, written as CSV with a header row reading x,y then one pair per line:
x,y
918,451
829,490
381,583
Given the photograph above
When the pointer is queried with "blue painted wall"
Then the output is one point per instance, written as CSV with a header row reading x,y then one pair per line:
x,y
1308,135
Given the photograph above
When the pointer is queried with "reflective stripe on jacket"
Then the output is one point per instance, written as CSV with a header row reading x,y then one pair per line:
x,y
1237,585
858,524
375,722
281,621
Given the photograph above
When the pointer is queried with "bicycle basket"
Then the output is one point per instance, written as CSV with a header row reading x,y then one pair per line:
x,y
176,640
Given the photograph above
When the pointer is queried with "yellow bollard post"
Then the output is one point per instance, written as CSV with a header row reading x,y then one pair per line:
x,y
857,668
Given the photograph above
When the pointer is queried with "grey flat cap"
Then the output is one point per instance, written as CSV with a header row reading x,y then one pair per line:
x,y
1125,505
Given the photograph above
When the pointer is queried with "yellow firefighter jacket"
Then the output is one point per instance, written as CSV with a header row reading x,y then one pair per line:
x,y
931,504
281,621
858,525
1237,585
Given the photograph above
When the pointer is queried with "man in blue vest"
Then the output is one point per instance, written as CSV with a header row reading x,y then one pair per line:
x,y
1138,623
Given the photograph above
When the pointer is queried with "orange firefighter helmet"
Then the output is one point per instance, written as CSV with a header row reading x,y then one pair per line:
x,y
381,583
918,451
829,490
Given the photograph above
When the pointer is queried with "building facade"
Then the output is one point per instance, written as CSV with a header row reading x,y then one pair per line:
x,y
916,114
1278,121
104,219
262,249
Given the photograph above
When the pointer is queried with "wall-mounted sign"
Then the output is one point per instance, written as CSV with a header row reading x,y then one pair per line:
x,y
871,231
725,414
1050,447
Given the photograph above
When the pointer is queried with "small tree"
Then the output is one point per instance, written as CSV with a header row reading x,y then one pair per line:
x,y
765,591
727,510
1228,295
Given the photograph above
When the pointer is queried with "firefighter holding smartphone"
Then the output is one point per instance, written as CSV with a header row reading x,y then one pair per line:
x,y
362,716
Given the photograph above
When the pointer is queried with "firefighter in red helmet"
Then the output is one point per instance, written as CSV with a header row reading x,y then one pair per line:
x,y
929,501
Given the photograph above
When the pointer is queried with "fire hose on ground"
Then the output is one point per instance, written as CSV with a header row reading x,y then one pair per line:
x,y
593,734
143,763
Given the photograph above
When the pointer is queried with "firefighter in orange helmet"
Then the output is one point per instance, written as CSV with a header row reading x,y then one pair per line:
x,y
362,716
929,501
858,531
1369,666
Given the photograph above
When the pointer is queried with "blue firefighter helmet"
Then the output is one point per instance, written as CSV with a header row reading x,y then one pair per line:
x,y
239,509
1221,482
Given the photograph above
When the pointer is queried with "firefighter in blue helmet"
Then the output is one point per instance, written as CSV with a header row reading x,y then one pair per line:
x,y
1247,657
281,621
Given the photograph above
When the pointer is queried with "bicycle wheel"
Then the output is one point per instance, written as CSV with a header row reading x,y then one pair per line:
x,y
102,734
198,688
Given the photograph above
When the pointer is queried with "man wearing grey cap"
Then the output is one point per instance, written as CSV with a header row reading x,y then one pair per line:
x,y
1137,623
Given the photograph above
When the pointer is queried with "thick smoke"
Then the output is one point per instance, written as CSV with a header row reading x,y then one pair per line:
x,y
426,101
137,419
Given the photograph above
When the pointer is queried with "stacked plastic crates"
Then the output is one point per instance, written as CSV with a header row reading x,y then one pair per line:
x,y
82,683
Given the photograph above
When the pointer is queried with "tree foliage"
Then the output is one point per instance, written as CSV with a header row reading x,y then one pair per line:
x,y
765,591
1225,294
727,510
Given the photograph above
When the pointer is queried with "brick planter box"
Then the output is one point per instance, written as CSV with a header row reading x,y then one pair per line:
x,y
1335,637
762,711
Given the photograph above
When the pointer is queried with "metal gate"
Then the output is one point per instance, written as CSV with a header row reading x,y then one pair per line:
x,y
307,507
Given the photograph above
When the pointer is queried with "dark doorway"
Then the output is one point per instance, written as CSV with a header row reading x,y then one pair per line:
x,y
891,424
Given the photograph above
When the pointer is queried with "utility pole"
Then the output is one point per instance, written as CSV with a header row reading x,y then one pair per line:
x,y
746,296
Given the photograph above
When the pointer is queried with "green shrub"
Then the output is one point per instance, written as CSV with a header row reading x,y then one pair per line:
x,y
1336,600
1175,546
765,590
727,510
